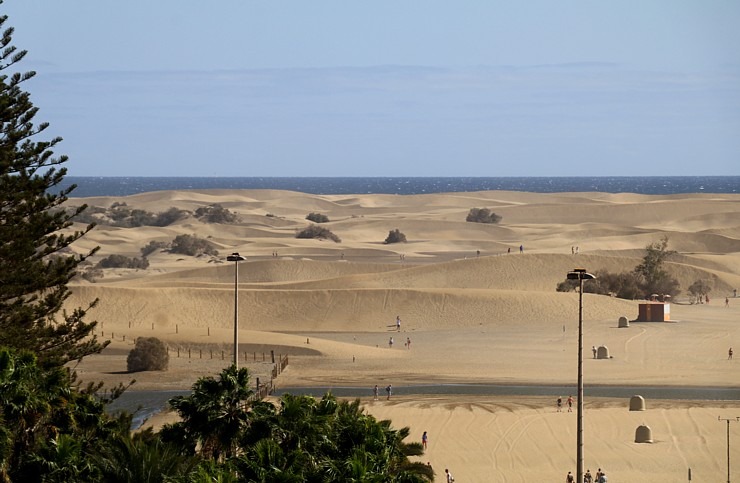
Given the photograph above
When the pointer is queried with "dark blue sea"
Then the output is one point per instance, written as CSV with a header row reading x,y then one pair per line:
x,y
650,185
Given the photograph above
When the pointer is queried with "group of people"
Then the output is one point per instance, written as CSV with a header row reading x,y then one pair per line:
x,y
569,402
388,391
406,344
588,477
391,341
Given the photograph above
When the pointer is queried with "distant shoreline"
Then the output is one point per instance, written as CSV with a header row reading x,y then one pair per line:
x,y
88,186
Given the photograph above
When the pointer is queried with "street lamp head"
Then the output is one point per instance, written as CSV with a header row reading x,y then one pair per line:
x,y
235,257
580,274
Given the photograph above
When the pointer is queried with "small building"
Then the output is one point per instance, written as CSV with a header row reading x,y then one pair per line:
x,y
637,403
654,312
643,434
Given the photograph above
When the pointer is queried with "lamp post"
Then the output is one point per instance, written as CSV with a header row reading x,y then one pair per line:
x,y
729,420
236,258
580,274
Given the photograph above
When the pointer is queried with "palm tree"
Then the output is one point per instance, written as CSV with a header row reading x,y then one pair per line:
x,y
214,417
141,459
47,427
331,441
64,460
28,397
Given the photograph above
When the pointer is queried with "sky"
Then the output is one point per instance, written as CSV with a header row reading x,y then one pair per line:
x,y
385,88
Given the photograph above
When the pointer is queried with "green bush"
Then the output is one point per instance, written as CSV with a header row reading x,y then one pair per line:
x,y
395,236
567,285
317,218
482,215
699,290
216,214
91,274
121,215
152,247
647,278
149,354
315,231
166,218
120,261
92,214
192,245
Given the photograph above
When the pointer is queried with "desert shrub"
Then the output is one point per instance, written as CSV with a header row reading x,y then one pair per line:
x,y
482,215
647,278
123,216
192,245
91,214
120,261
315,231
149,354
395,236
317,218
139,217
216,214
152,247
653,277
166,218
699,290
625,285
567,285
91,275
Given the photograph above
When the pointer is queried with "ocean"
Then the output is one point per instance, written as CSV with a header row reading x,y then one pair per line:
x,y
649,185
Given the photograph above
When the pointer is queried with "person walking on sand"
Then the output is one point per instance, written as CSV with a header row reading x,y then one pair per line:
x,y
389,391
593,349
570,404
560,404
598,475
398,323
587,478
603,478
424,440
729,354
408,342
569,478
390,343
449,476
375,393
727,301
521,248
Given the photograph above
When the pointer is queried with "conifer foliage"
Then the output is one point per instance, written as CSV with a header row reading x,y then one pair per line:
x,y
34,231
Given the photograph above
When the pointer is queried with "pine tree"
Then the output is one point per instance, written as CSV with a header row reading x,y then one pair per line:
x,y
35,231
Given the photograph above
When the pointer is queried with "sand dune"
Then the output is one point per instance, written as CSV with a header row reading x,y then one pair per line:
x,y
473,312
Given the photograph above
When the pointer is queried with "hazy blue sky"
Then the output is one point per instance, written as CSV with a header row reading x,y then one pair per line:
x,y
386,88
